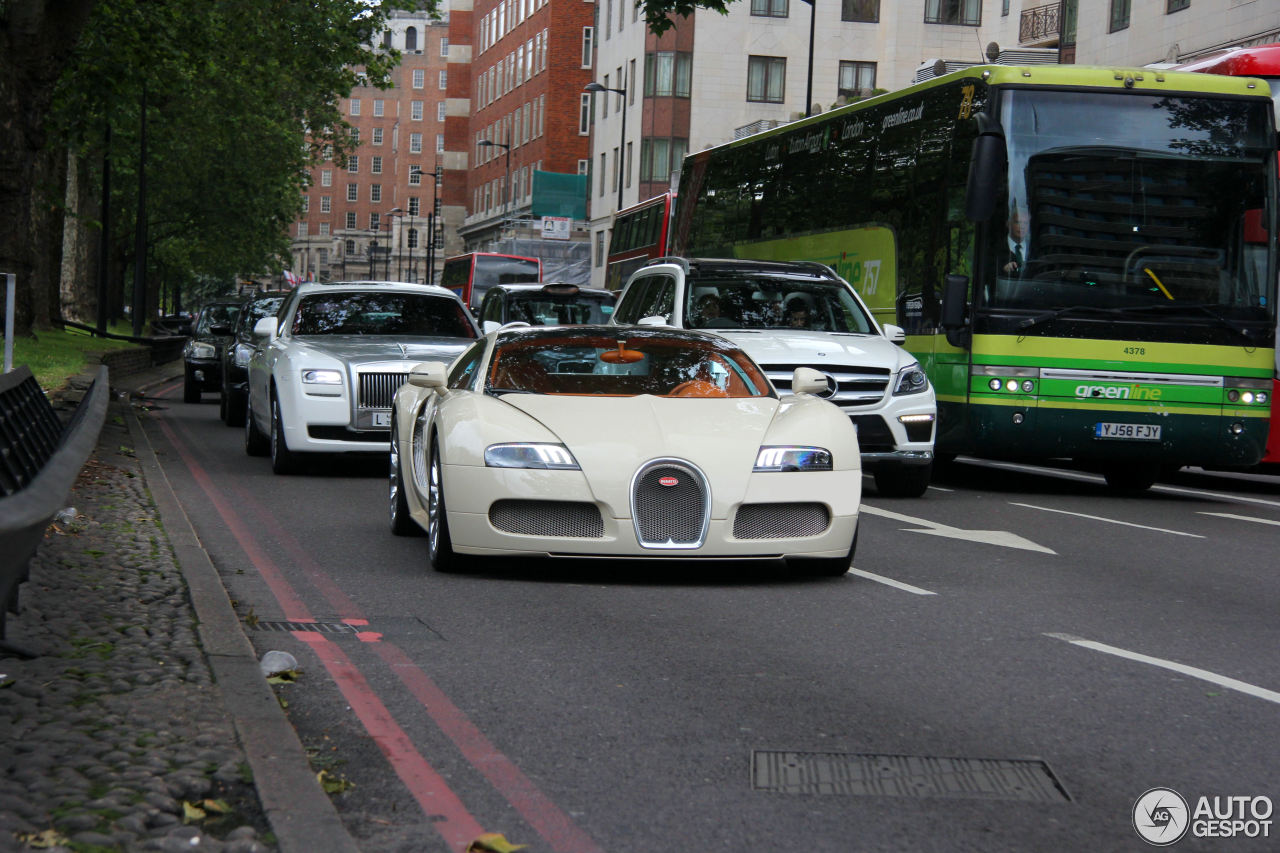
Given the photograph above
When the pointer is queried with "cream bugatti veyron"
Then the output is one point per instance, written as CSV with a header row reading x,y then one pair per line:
x,y
616,442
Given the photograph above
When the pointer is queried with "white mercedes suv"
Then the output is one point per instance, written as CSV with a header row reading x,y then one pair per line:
x,y
789,315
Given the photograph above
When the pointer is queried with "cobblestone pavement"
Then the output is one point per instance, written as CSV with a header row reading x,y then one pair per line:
x,y
122,730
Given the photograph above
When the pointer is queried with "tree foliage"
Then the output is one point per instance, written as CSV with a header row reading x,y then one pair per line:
x,y
660,15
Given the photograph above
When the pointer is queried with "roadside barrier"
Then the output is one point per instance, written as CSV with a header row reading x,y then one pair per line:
x,y
39,461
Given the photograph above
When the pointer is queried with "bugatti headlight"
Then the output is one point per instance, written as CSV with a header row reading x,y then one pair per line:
x,y
911,381
792,459
548,456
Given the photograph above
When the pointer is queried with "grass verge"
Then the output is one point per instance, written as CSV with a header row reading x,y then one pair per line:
x,y
54,356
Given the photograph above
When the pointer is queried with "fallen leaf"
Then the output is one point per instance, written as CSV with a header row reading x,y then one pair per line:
x,y
217,806
493,842
334,784
192,813
45,840
286,676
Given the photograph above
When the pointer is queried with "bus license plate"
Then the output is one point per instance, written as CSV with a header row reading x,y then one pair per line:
x,y
1140,432
383,419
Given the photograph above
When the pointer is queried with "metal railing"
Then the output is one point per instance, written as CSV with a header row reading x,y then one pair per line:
x,y
47,458
1041,24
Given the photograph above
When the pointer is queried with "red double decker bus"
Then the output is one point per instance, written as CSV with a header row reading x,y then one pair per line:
x,y
640,234
1261,61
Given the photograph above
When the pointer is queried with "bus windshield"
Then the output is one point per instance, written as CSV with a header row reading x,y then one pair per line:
x,y
1161,211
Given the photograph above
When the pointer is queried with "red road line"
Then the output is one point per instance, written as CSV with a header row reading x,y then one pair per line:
x,y
449,816
535,807
538,810
290,603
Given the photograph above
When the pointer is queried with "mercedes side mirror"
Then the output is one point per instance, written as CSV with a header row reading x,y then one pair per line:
x,y
896,334
806,380
265,328
428,374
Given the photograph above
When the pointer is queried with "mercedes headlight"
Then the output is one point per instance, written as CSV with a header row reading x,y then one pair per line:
x,y
549,456
911,381
793,459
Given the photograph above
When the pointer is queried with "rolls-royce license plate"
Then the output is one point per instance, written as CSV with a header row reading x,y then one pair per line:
x,y
382,419
1137,432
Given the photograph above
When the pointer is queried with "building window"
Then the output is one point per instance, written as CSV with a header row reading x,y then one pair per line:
x,y
413,206
769,8
355,135
375,221
439,143
355,106
444,79
379,107
856,78
588,38
323,232
1177,6
302,230
667,73
766,79
584,115
627,170
419,78
353,164
415,176
353,192
415,110
415,143
1004,8
326,204
375,193
603,169
351,222
964,12
584,167
411,38
864,11
377,136
1119,15
326,177
660,157
351,244
375,165
444,47
600,248
440,108
306,204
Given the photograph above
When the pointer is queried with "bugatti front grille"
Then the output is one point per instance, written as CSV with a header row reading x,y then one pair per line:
x,y
780,521
671,505
378,389
575,519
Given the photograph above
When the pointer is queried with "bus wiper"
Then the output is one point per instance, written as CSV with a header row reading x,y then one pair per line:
x,y
1028,322
1204,308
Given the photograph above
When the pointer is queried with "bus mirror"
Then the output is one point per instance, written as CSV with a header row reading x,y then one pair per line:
x,y
986,172
955,294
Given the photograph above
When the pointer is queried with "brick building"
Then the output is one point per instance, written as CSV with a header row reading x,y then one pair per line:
x,y
515,106
368,217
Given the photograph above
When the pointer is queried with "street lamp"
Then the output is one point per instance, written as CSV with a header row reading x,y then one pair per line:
x,y
395,211
484,143
622,148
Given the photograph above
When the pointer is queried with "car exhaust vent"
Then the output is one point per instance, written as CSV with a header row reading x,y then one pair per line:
x,y
575,519
671,505
780,521
377,390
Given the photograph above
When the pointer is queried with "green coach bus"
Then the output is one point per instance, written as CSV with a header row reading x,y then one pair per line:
x,y
1079,256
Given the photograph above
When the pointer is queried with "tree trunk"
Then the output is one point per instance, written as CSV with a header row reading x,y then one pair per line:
x,y
81,242
36,40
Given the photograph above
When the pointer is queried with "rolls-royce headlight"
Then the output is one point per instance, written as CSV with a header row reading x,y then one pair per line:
x,y
911,381
550,456
793,459
241,354
322,377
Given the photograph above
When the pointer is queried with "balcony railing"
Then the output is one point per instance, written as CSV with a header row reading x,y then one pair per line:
x,y
1041,25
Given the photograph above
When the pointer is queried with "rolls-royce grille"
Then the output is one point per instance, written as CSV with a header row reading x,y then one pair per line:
x,y
671,506
576,519
378,389
780,521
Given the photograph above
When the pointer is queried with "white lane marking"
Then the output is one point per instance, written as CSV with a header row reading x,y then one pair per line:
x,y
1002,538
890,582
1093,478
1109,520
1174,666
1243,518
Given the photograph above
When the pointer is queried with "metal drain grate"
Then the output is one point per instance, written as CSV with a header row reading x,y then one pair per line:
x,y
1026,779
313,627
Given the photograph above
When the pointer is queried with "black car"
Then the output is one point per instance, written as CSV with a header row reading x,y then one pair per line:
x,y
235,355
552,304
202,356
